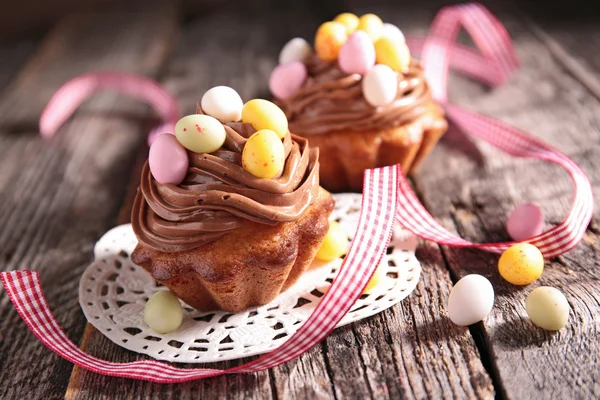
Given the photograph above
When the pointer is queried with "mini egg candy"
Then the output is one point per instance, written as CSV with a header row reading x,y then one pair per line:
x,y
471,300
200,133
349,20
392,32
330,38
262,114
287,79
380,85
335,243
357,55
296,49
263,155
163,312
223,103
392,53
526,221
378,276
548,308
521,264
371,24
168,160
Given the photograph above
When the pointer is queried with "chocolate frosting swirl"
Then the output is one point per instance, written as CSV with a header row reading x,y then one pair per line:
x,y
331,100
218,194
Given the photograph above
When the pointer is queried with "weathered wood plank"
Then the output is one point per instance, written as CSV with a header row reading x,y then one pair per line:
x,y
59,196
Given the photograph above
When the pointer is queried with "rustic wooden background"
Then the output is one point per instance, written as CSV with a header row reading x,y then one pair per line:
x,y
57,198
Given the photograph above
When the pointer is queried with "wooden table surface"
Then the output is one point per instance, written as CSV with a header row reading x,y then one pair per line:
x,y
58,197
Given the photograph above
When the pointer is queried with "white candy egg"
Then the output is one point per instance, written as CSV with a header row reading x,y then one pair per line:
x,y
296,49
223,103
548,308
393,32
471,300
380,85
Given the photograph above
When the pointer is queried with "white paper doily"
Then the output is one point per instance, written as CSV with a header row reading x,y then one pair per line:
x,y
113,293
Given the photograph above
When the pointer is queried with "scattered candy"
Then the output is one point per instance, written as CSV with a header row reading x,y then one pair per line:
x,y
223,103
548,308
471,300
357,55
263,114
335,244
371,24
526,221
263,155
200,133
286,79
380,85
296,49
163,312
168,160
378,276
392,32
349,20
521,264
330,38
392,53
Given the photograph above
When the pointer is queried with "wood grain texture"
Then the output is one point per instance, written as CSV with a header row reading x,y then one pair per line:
x,y
59,196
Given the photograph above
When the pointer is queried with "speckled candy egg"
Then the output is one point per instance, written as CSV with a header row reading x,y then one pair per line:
x,y
357,55
471,300
371,24
200,133
380,85
330,38
296,49
521,264
526,221
287,79
392,32
168,160
349,20
223,103
548,308
263,155
262,114
335,243
392,53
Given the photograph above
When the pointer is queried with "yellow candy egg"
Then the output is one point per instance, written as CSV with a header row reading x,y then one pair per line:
x,y
330,38
349,20
262,114
163,312
335,244
378,276
548,308
521,264
263,155
371,24
393,53
200,133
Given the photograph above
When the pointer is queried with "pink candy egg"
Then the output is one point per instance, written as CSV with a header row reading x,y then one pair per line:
x,y
526,221
357,55
287,79
168,160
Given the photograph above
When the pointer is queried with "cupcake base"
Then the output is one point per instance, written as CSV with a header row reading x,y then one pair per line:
x,y
344,155
247,267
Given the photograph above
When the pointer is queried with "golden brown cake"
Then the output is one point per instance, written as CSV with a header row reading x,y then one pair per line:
x,y
224,238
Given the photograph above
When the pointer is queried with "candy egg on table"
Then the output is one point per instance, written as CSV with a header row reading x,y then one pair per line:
x,y
163,312
200,133
521,264
349,20
371,24
223,103
524,222
296,49
263,155
357,55
471,300
392,32
547,308
335,243
330,38
380,85
392,53
378,276
168,160
262,114
287,79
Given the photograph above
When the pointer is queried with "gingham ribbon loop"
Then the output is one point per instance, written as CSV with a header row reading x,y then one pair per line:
x,y
386,195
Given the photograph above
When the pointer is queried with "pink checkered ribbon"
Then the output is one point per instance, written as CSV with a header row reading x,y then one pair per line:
x,y
386,195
